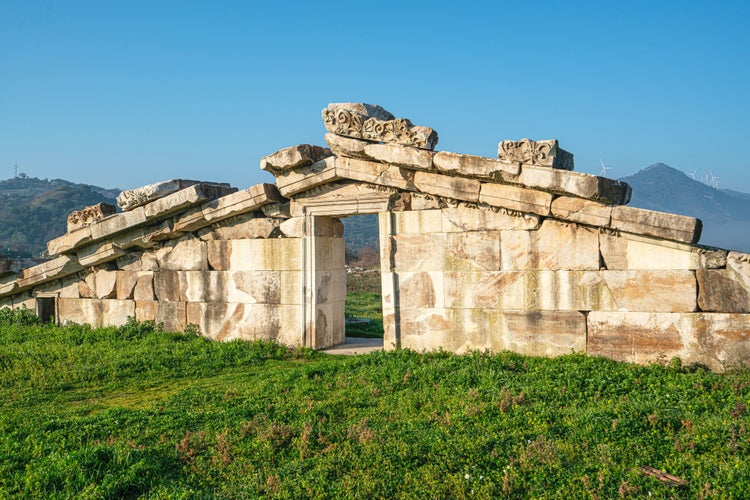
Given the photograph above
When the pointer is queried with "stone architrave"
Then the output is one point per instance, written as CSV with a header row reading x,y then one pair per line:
x,y
574,209
577,184
293,157
457,188
546,153
308,177
515,198
657,224
87,215
476,166
364,121
185,198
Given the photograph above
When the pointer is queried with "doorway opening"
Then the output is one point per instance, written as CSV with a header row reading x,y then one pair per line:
x,y
46,308
363,310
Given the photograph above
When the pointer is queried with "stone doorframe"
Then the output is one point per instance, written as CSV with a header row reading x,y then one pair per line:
x,y
373,202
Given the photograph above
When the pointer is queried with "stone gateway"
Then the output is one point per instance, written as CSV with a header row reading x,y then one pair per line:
x,y
517,253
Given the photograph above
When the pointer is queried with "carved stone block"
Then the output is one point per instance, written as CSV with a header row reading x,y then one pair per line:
x,y
515,198
293,157
657,224
577,184
456,188
476,166
85,216
546,153
580,210
130,199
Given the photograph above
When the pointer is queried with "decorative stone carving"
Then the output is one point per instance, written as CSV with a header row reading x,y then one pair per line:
x,y
341,119
128,200
546,153
87,215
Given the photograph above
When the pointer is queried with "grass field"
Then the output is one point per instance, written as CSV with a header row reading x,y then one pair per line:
x,y
135,412
363,300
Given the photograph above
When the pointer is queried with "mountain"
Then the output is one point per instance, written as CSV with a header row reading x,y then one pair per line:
x,y
725,213
33,211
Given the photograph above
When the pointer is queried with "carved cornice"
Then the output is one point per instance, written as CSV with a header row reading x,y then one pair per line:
x,y
400,130
546,153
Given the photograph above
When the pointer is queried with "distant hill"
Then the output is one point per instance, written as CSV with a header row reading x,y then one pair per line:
x,y
33,211
725,213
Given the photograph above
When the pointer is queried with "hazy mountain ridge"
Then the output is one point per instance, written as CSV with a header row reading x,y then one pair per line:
x,y
34,211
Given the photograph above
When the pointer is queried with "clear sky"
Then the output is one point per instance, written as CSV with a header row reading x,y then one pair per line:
x,y
126,93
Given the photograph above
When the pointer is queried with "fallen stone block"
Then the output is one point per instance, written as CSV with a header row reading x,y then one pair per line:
x,y
515,198
87,215
476,166
657,224
355,120
293,157
545,153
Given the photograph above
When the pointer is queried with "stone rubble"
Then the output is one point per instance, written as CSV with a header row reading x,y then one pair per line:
x,y
518,252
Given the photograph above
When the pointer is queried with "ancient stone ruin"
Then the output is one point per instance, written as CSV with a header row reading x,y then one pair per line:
x,y
518,252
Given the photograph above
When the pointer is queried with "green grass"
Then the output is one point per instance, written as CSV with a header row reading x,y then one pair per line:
x,y
134,412
363,300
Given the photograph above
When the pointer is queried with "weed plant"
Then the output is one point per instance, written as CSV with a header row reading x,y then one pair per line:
x,y
136,412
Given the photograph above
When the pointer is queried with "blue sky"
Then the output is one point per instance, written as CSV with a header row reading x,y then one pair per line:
x,y
121,94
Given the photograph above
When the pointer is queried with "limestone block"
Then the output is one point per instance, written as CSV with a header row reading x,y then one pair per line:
x,y
96,254
278,254
580,210
117,223
630,251
126,281
322,227
342,198
8,285
87,286
354,120
464,218
276,210
172,315
657,290
329,325
578,184
106,284
202,286
291,287
186,254
291,325
476,166
70,241
149,262
542,333
726,290
241,202
239,227
485,289
330,285
475,250
546,153
254,287
95,312
556,246
346,147
397,154
418,222
657,224
421,329
145,310
169,286
293,157
87,215
144,287
302,179
515,198
130,199
420,289
185,198
66,287
52,269
456,188
228,321
329,253
131,261
420,201
417,252
719,341
381,174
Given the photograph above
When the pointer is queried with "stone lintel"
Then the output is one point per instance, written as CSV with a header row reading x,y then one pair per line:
x,y
658,224
293,157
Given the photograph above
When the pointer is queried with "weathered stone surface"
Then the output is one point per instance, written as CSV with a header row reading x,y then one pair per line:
x,y
276,210
172,315
420,201
96,254
652,290
323,226
630,251
515,198
396,154
719,341
185,198
578,184
126,281
555,246
87,215
546,153
8,285
726,290
130,199
241,227
381,174
417,252
53,269
657,224
293,157
443,185
580,210
476,166
280,254
106,284
95,312
185,254
346,147
229,321
354,120
168,286
69,241
306,178
465,218
117,223
145,310
144,287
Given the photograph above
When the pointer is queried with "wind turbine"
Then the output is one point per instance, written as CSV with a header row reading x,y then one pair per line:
x,y
692,174
603,173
